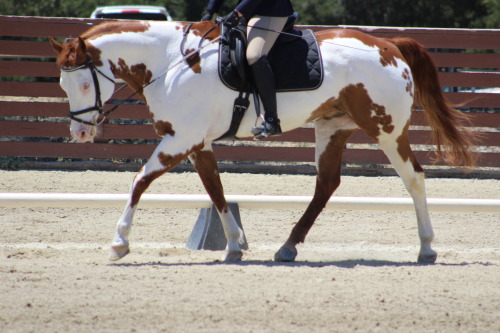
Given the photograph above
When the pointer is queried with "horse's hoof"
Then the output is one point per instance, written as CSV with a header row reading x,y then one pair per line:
x,y
232,256
118,252
286,254
427,259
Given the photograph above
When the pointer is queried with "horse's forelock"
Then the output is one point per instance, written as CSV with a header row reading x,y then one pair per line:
x,y
72,55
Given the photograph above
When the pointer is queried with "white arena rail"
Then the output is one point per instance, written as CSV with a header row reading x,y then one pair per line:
x,y
94,200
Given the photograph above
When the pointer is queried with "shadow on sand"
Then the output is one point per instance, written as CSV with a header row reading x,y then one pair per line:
x,y
310,264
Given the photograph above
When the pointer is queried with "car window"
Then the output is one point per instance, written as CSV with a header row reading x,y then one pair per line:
x,y
134,16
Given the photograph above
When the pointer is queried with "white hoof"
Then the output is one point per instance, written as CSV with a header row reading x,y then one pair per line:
x,y
232,256
427,258
118,252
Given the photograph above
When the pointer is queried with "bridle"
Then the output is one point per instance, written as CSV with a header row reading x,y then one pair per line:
x,y
98,106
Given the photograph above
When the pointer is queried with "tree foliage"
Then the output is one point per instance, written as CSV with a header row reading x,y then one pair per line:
x,y
406,13
410,13
492,20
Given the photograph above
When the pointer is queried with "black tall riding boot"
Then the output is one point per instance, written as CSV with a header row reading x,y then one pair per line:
x,y
264,81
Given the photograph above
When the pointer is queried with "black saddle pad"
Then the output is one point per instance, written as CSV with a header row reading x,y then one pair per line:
x,y
296,61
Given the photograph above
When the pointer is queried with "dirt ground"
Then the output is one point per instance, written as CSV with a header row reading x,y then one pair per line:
x,y
356,271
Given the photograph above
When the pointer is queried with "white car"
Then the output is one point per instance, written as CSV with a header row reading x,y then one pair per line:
x,y
132,13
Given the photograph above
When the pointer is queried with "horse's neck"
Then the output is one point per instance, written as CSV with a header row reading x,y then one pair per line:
x,y
154,48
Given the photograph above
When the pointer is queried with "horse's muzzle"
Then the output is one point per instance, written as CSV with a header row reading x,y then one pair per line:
x,y
82,132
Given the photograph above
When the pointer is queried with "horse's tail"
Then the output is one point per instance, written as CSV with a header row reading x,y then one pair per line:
x,y
450,136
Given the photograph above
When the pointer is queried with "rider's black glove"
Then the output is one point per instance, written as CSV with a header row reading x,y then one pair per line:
x,y
231,20
207,16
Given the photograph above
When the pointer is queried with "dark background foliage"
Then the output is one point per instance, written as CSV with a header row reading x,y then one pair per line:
x,y
404,13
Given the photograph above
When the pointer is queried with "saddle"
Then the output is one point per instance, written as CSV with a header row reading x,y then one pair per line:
x,y
295,59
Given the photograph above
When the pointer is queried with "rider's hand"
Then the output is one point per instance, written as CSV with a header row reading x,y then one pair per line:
x,y
207,16
232,19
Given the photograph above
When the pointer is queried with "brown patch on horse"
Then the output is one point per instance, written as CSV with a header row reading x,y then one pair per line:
x,y
404,149
367,114
169,161
143,184
109,28
136,76
194,61
409,82
95,55
330,109
206,166
163,128
200,29
388,51
387,58
355,101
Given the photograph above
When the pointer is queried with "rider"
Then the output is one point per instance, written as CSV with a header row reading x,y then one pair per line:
x,y
266,18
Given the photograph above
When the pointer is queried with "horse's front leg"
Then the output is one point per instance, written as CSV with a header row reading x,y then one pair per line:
x,y
120,244
160,162
205,164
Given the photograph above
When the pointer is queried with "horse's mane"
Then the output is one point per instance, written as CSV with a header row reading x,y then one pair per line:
x,y
107,28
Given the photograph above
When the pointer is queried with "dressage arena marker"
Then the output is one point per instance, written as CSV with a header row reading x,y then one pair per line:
x,y
94,200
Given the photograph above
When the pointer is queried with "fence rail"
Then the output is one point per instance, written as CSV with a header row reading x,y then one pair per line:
x,y
33,107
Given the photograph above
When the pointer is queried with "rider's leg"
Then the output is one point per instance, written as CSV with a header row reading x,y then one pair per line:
x,y
262,34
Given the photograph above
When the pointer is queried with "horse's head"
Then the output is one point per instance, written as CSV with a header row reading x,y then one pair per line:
x,y
87,82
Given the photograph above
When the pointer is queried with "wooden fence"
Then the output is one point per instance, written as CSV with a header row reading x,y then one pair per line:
x,y
33,109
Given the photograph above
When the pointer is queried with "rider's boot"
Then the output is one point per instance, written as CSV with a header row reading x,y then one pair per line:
x,y
264,81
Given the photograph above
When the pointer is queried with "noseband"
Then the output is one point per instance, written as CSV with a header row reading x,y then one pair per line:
x,y
98,106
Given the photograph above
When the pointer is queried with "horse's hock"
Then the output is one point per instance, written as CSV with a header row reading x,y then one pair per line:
x,y
33,106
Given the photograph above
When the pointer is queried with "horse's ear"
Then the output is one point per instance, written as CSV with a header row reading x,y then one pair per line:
x,y
56,45
83,46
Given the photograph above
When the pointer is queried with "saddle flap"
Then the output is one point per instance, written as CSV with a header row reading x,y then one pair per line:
x,y
237,52
296,63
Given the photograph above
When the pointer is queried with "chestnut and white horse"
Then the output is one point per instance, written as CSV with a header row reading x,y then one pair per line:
x,y
369,83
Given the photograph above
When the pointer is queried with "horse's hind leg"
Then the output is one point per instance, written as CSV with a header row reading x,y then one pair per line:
x,y
412,174
329,150
206,165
